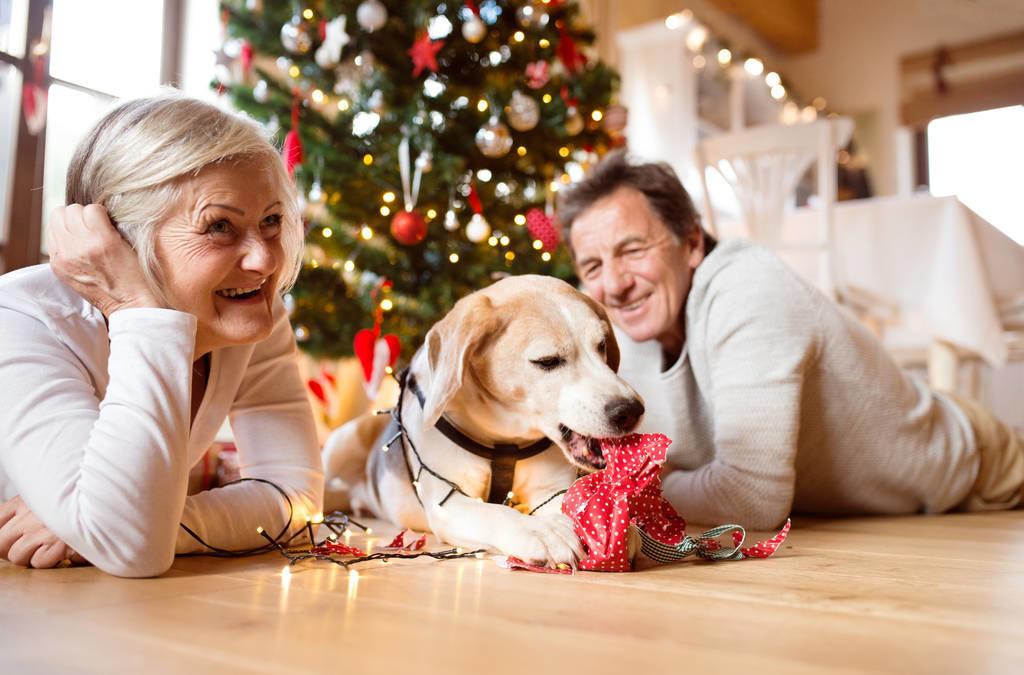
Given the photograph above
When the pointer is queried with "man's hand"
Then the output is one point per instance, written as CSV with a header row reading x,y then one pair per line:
x,y
88,254
26,542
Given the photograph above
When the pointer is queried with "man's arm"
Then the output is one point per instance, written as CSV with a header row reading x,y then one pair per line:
x,y
758,343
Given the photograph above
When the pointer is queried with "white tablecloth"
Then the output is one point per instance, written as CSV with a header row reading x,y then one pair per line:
x,y
952,275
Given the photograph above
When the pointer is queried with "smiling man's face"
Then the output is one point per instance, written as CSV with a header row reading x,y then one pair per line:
x,y
629,261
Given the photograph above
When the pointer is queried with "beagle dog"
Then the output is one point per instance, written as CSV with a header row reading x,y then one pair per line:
x,y
504,403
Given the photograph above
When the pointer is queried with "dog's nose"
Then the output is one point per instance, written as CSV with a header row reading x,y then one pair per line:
x,y
624,413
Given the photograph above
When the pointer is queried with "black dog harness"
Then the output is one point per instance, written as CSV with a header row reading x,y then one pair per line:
x,y
503,457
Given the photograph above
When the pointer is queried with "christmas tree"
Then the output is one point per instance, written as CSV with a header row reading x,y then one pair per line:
x,y
428,140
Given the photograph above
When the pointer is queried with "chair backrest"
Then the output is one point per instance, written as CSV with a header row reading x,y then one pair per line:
x,y
764,164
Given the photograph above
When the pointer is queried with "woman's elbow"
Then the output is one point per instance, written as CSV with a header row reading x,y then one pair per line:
x,y
144,561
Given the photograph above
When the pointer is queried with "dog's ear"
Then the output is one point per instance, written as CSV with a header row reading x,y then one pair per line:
x,y
611,347
450,342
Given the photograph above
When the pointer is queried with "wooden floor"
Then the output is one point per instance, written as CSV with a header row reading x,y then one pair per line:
x,y
902,595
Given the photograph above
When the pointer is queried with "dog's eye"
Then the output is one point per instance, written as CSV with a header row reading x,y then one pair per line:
x,y
548,362
602,346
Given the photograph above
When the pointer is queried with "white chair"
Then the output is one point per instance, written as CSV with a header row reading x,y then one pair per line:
x,y
763,165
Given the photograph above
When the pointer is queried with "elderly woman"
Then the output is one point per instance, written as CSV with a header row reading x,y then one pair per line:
x,y
158,316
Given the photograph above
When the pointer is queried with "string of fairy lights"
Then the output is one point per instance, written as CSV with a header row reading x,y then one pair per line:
x,y
707,48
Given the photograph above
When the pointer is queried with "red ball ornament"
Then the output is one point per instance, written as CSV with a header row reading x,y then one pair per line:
x,y
408,227
544,228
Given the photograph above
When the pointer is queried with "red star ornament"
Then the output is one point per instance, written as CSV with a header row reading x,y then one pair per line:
x,y
424,54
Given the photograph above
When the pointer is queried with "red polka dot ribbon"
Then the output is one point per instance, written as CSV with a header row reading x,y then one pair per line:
x,y
627,492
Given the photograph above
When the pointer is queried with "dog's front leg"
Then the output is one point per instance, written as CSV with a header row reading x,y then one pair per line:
x,y
470,523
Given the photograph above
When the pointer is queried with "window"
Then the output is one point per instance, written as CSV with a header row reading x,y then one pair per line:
x,y
87,54
976,157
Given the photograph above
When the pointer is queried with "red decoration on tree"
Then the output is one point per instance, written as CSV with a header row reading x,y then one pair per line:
x,y
408,228
538,74
543,227
571,57
292,150
246,57
424,54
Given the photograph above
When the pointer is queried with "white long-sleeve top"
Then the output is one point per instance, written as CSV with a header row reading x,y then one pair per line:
x,y
781,400
95,430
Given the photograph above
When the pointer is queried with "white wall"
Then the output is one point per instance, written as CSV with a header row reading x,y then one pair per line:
x,y
857,64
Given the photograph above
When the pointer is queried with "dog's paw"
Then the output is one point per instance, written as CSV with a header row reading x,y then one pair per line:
x,y
547,539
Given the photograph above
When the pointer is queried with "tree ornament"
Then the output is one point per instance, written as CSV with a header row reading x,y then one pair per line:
x,y
573,121
328,55
245,55
474,30
261,92
478,228
371,15
292,150
297,35
408,228
376,353
523,111
451,220
542,227
424,54
538,74
494,139
571,57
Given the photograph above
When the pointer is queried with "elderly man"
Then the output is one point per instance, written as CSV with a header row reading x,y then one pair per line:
x,y
776,398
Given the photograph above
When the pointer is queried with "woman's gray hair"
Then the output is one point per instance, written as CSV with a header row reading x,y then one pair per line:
x,y
132,159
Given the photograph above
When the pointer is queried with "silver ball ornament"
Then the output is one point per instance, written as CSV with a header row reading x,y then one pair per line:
x,y
371,15
296,36
494,139
523,111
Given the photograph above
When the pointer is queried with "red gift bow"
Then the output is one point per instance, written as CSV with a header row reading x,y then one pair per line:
x,y
627,492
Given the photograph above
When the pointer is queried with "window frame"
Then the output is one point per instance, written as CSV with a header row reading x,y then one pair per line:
x,y
23,246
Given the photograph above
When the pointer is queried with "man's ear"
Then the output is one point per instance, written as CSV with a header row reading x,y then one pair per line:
x,y
695,242
449,344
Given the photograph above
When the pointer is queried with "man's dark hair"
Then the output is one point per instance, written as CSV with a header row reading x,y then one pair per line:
x,y
658,183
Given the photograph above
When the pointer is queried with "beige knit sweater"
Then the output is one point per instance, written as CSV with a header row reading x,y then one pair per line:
x,y
781,401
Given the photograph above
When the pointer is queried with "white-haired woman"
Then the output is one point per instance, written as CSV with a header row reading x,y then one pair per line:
x,y
158,316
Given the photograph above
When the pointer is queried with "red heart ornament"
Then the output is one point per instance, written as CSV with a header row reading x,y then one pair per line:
x,y
365,346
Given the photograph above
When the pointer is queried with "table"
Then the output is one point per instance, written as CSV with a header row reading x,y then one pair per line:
x,y
921,594
951,278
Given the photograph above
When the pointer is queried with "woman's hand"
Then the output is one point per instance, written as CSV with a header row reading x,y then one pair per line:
x,y
26,542
88,254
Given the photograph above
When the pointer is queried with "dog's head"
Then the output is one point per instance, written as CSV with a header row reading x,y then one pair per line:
x,y
531,356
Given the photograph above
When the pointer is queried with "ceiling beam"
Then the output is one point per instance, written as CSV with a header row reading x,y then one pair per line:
x,y
790,26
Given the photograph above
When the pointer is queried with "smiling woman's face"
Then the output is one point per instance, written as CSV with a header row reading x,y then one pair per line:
x,y
221,254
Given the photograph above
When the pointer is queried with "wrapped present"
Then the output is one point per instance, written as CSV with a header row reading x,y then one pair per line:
x,y
619,513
